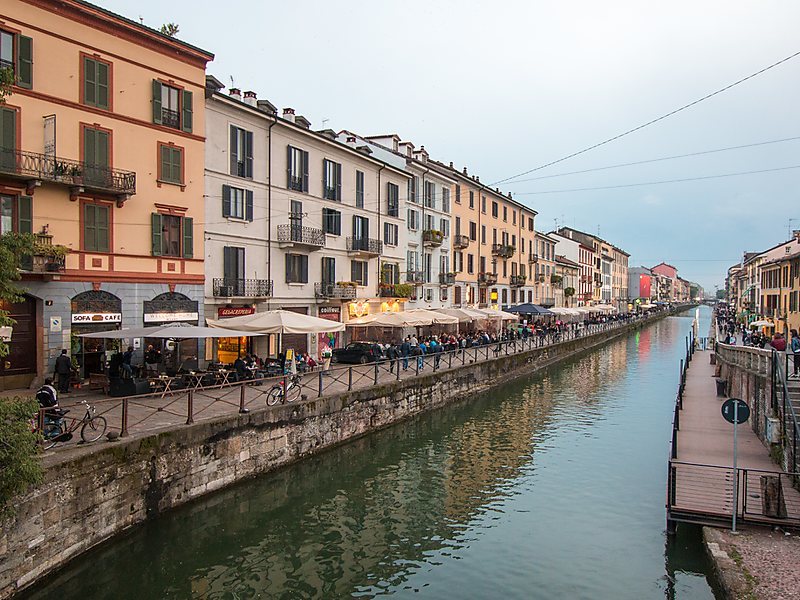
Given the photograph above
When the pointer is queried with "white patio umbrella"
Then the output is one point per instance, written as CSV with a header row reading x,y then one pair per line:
x,y
761,323
498,314
437,317
176,331
391,319
464,315
276,321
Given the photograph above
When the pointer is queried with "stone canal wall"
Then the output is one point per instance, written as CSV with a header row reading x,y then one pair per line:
x,y
87,499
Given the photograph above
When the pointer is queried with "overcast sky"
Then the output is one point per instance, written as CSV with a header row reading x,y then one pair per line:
x,y
505,87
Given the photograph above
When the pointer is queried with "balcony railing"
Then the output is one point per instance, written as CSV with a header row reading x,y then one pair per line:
x,y
32,165
447,278
539,278
414,277
297,234
170,118
364,245
486,279
503,250
518,280
533,258
548,302
242,288
334,290
432,237
460,242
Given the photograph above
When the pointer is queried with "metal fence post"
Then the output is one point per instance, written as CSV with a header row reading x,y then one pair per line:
x,y
375,377
242,409
189,412
349,378
320,384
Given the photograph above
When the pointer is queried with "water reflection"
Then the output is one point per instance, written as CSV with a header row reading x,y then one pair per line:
x,y
505,495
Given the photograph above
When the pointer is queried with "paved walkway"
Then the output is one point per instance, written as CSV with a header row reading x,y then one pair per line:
x,y
703,468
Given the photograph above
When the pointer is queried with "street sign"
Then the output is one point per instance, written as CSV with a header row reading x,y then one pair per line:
x,y
735,411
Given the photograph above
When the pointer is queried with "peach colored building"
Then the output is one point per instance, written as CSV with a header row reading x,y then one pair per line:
x,y
102,152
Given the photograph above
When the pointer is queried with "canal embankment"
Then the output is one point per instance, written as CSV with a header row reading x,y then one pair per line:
x,y
91,497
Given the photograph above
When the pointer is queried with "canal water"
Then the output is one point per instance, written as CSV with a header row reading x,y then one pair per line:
x,y
550,487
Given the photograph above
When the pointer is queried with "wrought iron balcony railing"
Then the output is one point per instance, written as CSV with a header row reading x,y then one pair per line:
x,y
32,165
533,258
300,235
334,290
364,245
242,288
485,279
503,250
460,242
517,280
447,278
414,277
548,302
432,237
170,118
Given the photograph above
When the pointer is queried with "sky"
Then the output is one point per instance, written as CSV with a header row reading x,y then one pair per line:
x,y
503,88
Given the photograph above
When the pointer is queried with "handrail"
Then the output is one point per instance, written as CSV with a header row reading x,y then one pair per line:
x,y
788,405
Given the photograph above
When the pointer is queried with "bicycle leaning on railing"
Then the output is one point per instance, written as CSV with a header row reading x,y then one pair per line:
x,y
294,390
56,427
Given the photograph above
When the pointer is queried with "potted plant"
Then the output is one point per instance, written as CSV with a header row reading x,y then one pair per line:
x,y
55,256
326,358
77,175
403,290
347,284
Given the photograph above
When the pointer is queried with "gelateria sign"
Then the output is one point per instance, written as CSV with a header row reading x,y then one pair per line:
x,y
225,312
96,317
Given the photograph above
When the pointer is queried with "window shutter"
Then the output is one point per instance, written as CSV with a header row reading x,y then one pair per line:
x,y
305,171
102,84
325,182
248,205
304,268
25,214
24,62
186,111
339,182
101,152
353,271
188,237
228,264
89,146
156,101
155,219
226,201
234,151
288,167
386,233
248,166
289,268
8,135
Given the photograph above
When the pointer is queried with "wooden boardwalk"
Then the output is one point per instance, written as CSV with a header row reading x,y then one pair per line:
x,y
701,477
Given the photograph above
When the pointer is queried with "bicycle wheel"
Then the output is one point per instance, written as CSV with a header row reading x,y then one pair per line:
x,y
94,429
52,433
294,393
274,395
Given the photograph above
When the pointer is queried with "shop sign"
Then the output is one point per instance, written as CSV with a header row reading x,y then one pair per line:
x,y
224,312
175,317
96,317
5,333
358,309
335,311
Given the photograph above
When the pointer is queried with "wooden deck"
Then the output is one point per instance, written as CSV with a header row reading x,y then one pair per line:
x,y
701,475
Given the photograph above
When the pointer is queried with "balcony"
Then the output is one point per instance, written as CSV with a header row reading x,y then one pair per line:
x,y
414,277
533,258
539,278
170,118
47,259
297,236
447,278
503,250
548,302
487,279
364,246
33,168
460,242
224,287
396,290
432,238
518,280
334,291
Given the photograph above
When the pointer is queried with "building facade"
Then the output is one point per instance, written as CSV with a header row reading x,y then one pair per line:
x,y
544,270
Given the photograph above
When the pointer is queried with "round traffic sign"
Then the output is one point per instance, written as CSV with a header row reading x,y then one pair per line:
x,y
735,409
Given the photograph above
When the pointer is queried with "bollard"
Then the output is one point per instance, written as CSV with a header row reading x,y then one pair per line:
x,y
189,412
242,409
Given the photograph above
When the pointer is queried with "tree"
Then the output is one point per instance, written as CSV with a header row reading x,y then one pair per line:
x,y
13,247
20,467
170,29
6,81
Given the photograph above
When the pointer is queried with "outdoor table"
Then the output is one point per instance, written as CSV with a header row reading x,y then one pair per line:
x,y
223,376
194,379
163,384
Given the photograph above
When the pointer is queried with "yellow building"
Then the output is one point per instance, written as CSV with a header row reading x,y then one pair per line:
x,y
102,153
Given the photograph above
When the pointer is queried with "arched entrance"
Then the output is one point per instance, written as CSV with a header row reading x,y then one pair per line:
x,y
92,311
172,307
18,369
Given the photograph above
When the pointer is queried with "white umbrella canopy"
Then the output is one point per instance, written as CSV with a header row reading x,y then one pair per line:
x,y
437,317
498,314
277,321
176,331
391,319
761,323
464,315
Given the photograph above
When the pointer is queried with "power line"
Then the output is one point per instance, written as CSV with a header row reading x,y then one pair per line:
x,y
652,160
651,122
627,185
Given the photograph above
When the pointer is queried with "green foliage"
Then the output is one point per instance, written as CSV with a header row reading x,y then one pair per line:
x,y
13,246
170,29
403,290
569,291
19,462
6,81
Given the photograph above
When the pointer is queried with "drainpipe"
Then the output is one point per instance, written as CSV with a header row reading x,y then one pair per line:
x,y
269,206
421,195
382,167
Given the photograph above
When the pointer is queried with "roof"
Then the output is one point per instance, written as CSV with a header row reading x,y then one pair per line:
x,y
565,261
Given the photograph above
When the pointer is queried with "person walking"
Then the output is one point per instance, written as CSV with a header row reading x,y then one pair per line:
x,y
151,359
405,350
63,370
794,346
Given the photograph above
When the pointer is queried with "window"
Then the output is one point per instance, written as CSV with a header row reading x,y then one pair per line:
x,y
16,53
233,266
458,194
359,189
172,107
16,214
359,272
241,152
458,262
331,221
413,219
445,227
331,180
429,222
514,218
483,204
483,234
297,169
445,199
444,263
390,273
360,227
430,194
473,231
96,153
471,199
458,225
390,232
505,213
296,268
412,261
96,83
328,270
237,203
170,164
8,139
95,227
530,223
513,239
495,212
412,190
470,263
427,264
392,200
172,235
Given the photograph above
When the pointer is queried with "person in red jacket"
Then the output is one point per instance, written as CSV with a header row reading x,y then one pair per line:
x,y
778,342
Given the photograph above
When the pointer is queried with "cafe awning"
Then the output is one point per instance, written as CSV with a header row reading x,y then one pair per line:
x,y
276,321
175,331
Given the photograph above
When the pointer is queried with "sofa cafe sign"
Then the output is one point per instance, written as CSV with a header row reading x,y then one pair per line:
x,y
96,317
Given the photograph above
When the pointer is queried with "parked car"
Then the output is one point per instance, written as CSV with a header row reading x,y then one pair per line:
x,y
358,353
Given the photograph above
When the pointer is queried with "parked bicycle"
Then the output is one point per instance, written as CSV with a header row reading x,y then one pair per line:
x,y
294,389
58,428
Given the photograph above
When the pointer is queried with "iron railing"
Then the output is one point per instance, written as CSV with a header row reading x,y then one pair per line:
x,y
432,237
485,279
33,165
415,276
364,245
298,234
170,118
503,250
244,288
447,278
334,290
518,280
460,242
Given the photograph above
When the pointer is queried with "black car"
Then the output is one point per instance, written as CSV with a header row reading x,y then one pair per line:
x,y
358,353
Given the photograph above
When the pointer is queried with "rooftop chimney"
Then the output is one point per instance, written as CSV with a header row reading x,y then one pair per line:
x,y
351,140
235,93
288,114
250,99
451,164
465,170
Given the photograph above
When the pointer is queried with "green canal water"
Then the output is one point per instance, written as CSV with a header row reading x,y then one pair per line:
x,y
550,487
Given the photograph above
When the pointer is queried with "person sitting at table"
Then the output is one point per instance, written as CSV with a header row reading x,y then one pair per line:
x,y
310,362
127,368
151,359
241,369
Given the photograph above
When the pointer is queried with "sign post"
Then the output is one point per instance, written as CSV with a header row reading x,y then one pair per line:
x,y
735,411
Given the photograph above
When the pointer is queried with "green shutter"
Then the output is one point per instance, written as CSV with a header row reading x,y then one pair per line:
x,y
155,219
89,229
8,139
101,225
188,237
102,85
24,62
101,149
165,163
89,82
89,146
248,205
226,201
156,101
177,169
186,107
25,214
